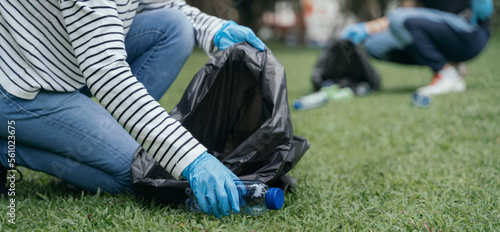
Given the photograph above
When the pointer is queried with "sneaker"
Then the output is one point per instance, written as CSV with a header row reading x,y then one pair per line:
x,y
445,81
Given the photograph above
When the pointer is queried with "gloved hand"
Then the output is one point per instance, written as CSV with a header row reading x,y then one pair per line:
x,y
213,185
355,32
232,33
481,10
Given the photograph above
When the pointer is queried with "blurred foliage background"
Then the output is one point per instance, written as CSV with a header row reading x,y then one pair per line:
x,y
291,21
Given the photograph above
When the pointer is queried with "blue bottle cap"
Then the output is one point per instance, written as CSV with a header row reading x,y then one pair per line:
x,y
420,100
275,198
298,105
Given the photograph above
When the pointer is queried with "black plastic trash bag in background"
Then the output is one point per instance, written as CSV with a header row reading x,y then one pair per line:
x,y
236,106
345,64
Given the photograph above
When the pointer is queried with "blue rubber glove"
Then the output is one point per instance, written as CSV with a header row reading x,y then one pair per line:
x,y
232,33
355,32
481,10
213,185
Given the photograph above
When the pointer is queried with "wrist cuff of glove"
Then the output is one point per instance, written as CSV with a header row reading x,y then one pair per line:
x,y
205,155
365,27
220,33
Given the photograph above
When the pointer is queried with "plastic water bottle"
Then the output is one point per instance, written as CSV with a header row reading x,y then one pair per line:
x,y
420,100
313,100
256,198
336,93
317,99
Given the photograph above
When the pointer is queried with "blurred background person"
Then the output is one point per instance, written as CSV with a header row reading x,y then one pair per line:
x,y
434,33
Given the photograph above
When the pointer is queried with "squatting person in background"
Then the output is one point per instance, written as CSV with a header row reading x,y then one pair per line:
x,y
435,33
125,53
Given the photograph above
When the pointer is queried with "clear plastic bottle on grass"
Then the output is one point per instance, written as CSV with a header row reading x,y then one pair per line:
x,y
318,99
310,101
256,198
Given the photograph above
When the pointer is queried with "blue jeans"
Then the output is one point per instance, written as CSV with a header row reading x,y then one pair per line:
x,y
70,136
427,37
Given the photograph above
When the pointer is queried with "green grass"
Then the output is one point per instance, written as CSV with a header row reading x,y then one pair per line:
x,y
375,164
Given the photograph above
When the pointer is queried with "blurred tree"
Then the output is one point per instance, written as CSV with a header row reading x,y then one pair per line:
x,y
367,9
244,12
248,12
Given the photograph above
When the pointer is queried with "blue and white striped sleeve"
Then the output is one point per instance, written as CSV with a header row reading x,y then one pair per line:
x,y
97,37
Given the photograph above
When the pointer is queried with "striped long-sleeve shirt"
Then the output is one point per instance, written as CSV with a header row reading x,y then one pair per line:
x,y
62,45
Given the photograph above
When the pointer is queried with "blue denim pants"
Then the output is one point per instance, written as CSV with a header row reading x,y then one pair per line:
x,y
427,37
70,136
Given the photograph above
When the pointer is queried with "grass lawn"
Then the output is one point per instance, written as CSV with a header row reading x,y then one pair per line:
x,y
375,164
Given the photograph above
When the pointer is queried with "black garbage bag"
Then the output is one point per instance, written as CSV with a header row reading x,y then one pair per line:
x,y
345,64
236,106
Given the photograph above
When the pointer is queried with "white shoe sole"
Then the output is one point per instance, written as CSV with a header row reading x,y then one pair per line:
x,y
457,87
